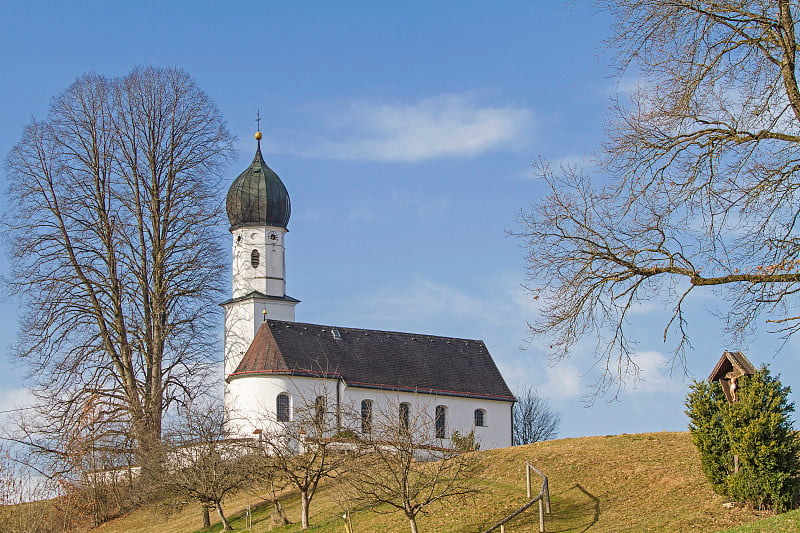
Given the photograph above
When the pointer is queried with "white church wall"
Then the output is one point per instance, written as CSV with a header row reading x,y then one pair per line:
x,y
239,332
242,320
269,275
460,412
255,401
251,401
276,310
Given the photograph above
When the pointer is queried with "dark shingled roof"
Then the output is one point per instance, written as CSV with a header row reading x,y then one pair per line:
x,y
258,197
375,359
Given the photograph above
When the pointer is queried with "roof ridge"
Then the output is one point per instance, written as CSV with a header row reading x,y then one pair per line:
x,y
346,328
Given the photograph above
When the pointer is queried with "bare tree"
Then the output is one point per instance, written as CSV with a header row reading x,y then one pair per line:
x,y
8,486
703,165
28,503
203,464
306,449
404,467
86,465
272,479
534,418
115,196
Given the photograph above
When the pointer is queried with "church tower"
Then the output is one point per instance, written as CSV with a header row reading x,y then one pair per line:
x,y
258,209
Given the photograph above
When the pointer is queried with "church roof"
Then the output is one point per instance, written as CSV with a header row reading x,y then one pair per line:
x,y
375,359
258,197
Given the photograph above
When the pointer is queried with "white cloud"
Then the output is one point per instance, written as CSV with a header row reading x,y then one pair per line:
x,y
16,398
654,373
423,300
12,400
496,304
440,126
360,215
563,381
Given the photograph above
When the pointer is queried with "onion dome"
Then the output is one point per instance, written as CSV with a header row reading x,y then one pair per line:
x,y
258,197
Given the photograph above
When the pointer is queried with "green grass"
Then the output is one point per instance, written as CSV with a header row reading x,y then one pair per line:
x,y
786,522
646,482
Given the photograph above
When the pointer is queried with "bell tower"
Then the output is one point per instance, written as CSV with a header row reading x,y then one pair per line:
x,y
258,209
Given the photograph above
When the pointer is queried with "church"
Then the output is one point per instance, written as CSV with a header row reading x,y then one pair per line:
x,y
274,365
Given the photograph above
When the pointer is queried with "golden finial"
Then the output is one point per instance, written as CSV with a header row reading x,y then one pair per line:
x,y
264,312
258,125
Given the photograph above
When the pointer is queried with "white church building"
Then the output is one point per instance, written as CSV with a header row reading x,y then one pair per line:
x,y
274,365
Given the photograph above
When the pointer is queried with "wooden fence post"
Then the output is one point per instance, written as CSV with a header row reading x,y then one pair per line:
x,y
541,516
528,479
547,494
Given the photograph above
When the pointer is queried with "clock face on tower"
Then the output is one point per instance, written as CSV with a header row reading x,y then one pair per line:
x,y
273,237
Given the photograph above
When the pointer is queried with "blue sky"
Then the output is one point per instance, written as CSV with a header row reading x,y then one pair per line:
x,y
405,135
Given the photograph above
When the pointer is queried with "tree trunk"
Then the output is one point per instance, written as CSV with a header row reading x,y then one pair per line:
x,y
206,518
304,509
226,526
412,521
149,453
280,515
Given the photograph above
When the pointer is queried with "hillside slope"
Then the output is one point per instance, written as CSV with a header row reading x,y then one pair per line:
x,y
646,482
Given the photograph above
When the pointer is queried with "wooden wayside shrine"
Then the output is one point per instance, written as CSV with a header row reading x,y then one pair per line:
x,y
731,366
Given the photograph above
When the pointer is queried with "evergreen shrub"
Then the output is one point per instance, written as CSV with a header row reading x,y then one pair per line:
x,y
758,429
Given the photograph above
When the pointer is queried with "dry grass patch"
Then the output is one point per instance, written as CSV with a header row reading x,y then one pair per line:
x,y
646,482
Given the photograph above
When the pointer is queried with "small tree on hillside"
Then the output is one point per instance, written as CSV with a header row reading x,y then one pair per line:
x,y
273,480
534,418
405,468
758,429
204,465
303,449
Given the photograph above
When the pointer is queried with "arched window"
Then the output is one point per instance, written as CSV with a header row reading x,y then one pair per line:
x,y
405,408
480,417
282,407
254,259
441,421
319,411
366,416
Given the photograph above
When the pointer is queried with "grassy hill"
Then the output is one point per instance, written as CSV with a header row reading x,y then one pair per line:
x,y
782,523
646,482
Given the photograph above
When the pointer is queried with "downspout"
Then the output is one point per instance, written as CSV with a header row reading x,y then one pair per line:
x,y
338,405
511,411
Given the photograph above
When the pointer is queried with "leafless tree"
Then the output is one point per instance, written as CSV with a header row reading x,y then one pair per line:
x,y
534,418
115,196
28,502
307,449
702,191
272,480
404,468
8,486
204,465
86,466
